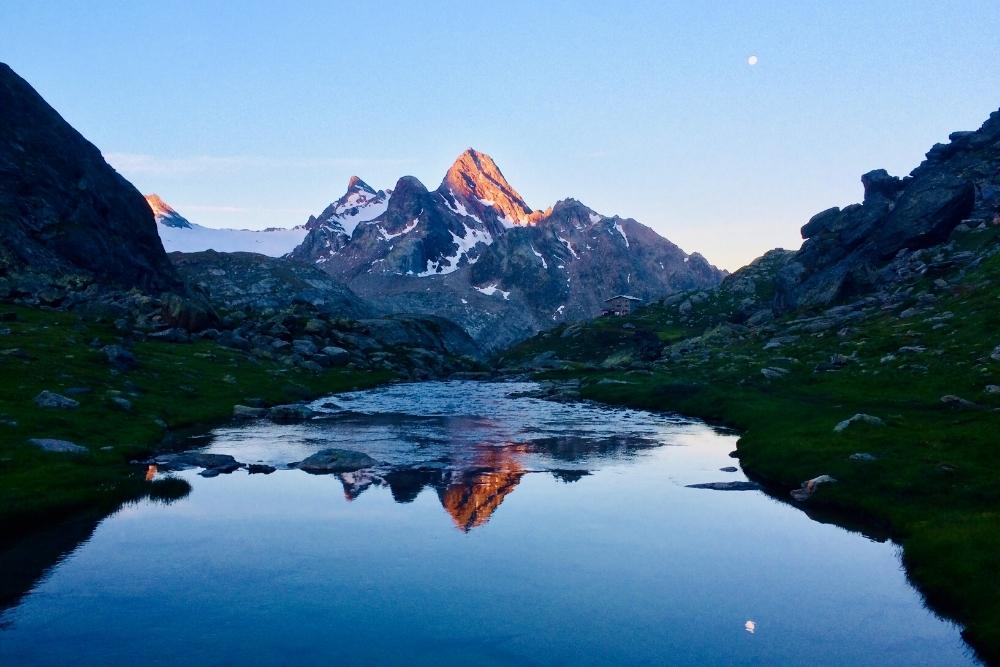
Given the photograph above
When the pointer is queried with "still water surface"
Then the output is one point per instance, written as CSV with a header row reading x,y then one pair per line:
x,y
497,531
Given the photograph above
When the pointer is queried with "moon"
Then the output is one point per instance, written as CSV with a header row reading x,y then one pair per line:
x,y
752,60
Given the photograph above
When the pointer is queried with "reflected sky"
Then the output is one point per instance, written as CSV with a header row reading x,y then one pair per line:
x,y
494,531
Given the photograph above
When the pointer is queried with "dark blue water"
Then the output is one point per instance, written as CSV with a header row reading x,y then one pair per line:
x,y
495,531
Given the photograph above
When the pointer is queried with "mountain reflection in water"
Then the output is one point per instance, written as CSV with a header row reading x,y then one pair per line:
x,y
471,461
604,556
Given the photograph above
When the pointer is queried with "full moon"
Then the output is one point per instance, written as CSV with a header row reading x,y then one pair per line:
x,y
752,60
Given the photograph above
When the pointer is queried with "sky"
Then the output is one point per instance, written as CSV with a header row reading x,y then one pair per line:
x,y
255,114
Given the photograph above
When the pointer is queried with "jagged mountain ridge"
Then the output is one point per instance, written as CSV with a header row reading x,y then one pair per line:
x,y
473,251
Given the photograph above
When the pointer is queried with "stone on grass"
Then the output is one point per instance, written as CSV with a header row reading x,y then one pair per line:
x,y
860,418
52,400
959,403
336,460
863,457
61,446
993,389
121,403
995,355
119,357
809,487
773,373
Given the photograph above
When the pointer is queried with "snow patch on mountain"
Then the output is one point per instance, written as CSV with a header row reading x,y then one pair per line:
x,y
490,290
545,264
466,243
456,205
406,230
621,231
270,242
569,246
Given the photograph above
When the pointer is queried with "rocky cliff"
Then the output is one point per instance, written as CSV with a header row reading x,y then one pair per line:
x,y
846,250
63,209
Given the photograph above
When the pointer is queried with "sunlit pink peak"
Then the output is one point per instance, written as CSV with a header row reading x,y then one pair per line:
x,y
475,178
355,184
164,213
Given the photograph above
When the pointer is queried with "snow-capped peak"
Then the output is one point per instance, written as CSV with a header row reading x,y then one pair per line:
x,y
165,214
361,203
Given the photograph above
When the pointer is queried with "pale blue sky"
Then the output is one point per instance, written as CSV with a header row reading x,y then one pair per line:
x,y
255,114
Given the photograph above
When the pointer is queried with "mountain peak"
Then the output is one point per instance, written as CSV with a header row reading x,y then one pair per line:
x,y
165,213
355,184
477,180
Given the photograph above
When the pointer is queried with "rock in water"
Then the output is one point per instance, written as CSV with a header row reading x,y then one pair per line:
x,y
63,209
337,460
727,486
222,463
294,412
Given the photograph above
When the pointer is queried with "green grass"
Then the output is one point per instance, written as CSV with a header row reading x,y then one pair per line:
x,y
174,387
934,487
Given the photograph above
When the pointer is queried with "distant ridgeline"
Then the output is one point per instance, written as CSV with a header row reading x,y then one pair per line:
x,y
473,251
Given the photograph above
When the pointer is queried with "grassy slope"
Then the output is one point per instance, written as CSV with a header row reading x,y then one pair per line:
x,y
935,484
174,385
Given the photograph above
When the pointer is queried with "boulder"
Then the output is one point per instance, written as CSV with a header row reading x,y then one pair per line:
x,y
727,486
121,403
304,346
960,403
336,355
188,313
774,373
260,468
51,400
232,339
291,413
860,418
809,487
61,446
247,412
119,357
336,460
222,463
863,457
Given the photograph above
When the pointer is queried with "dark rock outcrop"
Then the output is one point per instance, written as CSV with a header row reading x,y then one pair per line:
x,y
845,249
63,209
